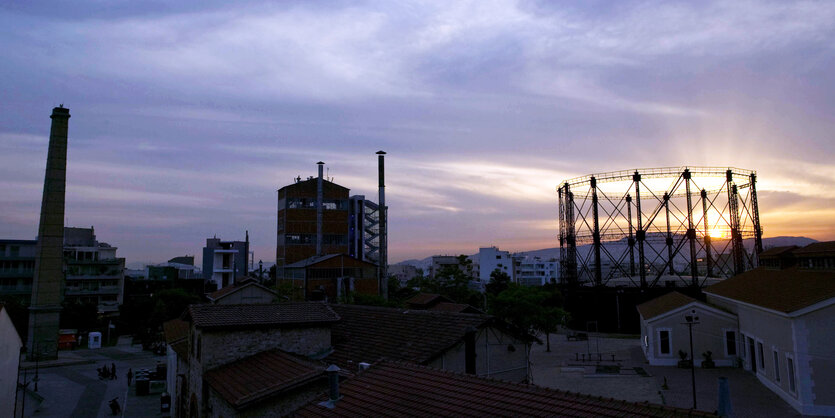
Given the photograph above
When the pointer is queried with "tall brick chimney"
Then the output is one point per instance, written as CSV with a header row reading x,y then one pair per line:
x,y
48,283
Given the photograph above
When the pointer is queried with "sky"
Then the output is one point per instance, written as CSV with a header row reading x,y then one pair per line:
x,y
188,116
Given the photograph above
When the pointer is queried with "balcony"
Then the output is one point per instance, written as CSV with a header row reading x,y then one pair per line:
x,y
103,290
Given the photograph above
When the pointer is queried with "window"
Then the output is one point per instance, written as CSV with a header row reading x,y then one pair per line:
x,y
730,343
790,372
761,356
664,342
776,366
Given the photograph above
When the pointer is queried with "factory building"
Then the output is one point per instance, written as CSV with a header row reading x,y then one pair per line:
x,y
317,218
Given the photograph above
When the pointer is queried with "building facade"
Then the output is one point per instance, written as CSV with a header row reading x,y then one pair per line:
x,y
225,262
534,271
93,272
17,267
491,259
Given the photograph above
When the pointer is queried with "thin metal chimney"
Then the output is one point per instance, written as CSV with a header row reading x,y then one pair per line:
x,y
333,382
384,267
319,193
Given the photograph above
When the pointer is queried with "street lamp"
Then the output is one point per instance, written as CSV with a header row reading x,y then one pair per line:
x,y
691,320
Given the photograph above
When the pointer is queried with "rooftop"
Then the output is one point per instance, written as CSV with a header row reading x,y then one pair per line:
x,y
818,248
397,389
272,315
784,291
663,304
778,251
423,299
367,334
263,375
243,284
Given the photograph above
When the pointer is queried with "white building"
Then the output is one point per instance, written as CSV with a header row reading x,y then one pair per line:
x,y
10,344
534,271
491,259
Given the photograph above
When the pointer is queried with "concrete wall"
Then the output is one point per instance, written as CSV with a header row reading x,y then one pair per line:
x,y
493,356
709,334
10,344
815,361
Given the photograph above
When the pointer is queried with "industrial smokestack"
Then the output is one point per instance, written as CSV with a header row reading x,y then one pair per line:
x,y
48,283
384,267
319,194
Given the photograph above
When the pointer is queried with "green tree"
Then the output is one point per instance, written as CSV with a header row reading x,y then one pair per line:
x,y
528,308
499,282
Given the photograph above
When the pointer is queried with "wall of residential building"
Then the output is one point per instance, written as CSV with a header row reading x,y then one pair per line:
x,y
774,332
217,348
815,360
17,268
708,335
494,357
175,365
10,344
491,259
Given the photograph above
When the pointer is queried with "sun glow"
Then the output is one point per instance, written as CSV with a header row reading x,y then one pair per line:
x,y
716,233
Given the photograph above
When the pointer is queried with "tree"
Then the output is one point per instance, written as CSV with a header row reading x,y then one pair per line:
x,y
528,309
499,281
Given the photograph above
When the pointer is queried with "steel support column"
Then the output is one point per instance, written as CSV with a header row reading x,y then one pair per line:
x,y
571,236
708,255
755,215
561,210
598,264
691,231
736,237
631,239
669,239
640,234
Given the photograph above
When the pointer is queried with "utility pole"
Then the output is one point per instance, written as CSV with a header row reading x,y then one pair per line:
x,y
691,320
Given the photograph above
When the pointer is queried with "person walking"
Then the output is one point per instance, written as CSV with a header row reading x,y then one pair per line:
x,y
130,375
113,371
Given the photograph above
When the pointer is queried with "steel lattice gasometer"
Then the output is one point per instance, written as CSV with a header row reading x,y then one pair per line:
x,y
668,226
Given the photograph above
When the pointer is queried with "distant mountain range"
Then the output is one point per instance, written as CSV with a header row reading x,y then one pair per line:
x,y
548,253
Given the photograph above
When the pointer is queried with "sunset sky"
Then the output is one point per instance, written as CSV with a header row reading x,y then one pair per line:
x,y
188,116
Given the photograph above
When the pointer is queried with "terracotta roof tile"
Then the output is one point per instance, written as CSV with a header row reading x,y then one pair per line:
x,y
261,376
777,251
817,248
422,300
454,307
398,389
260,315
784,290
663,304
367,334
218,294
175,330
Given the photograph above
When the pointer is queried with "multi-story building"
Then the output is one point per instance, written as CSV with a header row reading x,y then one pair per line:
x,y
225,262
93,272
17,268
491,259
534,271
303,231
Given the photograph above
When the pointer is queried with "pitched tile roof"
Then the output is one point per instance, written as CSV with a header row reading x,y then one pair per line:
x,y
367,334
777,251
224,291
423,299
397,389
454,307
271,315
175,330
817,248
263,375
663,304
786,290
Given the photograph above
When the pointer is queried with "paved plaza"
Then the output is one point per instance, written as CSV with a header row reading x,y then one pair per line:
x,y
70,386
574,366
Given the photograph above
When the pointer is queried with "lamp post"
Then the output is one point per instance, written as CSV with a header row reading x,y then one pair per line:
x,y
691,320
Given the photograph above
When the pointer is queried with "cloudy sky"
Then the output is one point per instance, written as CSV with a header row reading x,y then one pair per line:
x,y
187,116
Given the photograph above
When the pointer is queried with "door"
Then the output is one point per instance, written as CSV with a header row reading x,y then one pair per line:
x,y
752,355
